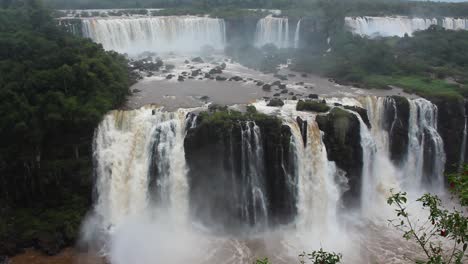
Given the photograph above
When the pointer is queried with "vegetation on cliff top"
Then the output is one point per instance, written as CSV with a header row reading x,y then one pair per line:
x,y
54,89
431,63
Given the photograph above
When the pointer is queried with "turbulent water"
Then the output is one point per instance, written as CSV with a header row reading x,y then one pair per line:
x,y
159,34
399,25
142,210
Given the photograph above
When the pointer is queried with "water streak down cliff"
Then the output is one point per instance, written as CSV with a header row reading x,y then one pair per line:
x,y
159,34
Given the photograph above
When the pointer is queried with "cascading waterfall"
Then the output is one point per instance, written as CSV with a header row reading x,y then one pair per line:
x,y
142,166
297,34
132,149
318,193
252,175
272,30
426,155
400,25
159,34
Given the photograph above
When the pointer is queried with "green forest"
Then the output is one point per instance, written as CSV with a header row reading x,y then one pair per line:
x,y
290,7
54,89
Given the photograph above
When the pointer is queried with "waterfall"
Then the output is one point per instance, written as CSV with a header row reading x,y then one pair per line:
x,y
253,176
272,30
317,190
133,149
297,34
400,25
134,35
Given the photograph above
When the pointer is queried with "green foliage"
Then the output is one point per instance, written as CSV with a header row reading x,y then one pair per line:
x,y
441,224
54,89
321,257
314,106
459,185
432,63
316,257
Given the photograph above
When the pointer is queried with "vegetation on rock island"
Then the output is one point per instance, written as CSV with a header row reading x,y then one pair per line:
x,y
54,89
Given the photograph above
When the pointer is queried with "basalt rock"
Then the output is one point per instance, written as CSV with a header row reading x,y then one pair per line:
x,y
362,113
396,123
451,124
216,158
276,102
221,78
342,141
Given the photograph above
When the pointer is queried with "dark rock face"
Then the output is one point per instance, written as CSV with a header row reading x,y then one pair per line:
x,y
342,140
396,123
217,171
276,102
362,113
450,124
50,243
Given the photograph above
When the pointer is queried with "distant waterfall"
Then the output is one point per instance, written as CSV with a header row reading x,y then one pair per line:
x,y
297,34
272,30
400,25
132,149
134,35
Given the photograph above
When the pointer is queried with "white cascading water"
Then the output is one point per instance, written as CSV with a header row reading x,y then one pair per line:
x,y
423,124
252,175
125,143
134,148
297,34
134,35
272,30
399,25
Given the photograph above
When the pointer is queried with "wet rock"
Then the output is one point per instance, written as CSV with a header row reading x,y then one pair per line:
x,y
337,104
277,94
313,96
204,98
50,243
291,93
285,91
186,62
343,143
291,75
207,75
216,70
362,112
191,77
304,75
281,77
196,73
169,76
276,102
300,83
198,60
276,83
294,98
221,78
223,66
260,83
282,86
136,90
170,67
266,87
235,78
180,78
313,106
